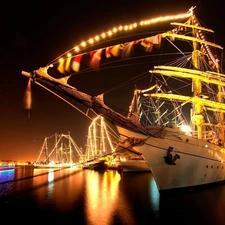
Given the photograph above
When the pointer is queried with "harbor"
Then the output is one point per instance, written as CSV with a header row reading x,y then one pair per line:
x,y
113,113
101,153
176,128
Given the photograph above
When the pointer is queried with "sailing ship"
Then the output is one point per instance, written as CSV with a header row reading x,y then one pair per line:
x,y
59,154
7,165
98,164
99,144
179,134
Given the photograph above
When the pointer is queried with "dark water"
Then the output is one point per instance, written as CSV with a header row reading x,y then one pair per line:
x,y
102,198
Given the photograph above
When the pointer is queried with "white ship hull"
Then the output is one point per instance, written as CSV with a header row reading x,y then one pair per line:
x,y
200,162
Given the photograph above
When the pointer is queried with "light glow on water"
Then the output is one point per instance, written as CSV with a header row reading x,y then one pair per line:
x,y
96,198
99,198
51,183
7,175
154,195
51,175
104,198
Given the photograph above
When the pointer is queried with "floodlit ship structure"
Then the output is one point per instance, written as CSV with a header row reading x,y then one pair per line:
x,y
59,151
99,141
102,154
177,122
98,145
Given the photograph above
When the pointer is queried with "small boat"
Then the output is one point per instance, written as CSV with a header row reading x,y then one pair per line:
x,y
134,164
129,160
177,121
7,166
99,165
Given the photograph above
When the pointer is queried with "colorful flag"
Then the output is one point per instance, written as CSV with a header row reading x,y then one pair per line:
x,y
28,99
127,51
108,52
76,63
157,40
116,50
95,60
67,66
150,42
60,67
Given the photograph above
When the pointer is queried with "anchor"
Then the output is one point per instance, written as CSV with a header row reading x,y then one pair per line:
x,y
169,159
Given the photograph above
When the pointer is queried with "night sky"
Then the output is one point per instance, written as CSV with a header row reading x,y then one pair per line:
x,y
33,34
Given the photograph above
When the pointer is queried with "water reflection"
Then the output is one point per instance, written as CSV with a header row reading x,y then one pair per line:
x,y
202,206
6,175
92,197
54,190
96,198
154,195
103,198
50,175
67,193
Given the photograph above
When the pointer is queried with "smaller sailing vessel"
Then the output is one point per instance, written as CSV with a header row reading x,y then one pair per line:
x,y
59,154
7,165
99,143
99,165
133,163
186,91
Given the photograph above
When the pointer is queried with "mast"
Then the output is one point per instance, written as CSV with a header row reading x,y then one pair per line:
x,y
220,100
198,76
197,116
45,149
70,147
57,150
102,137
